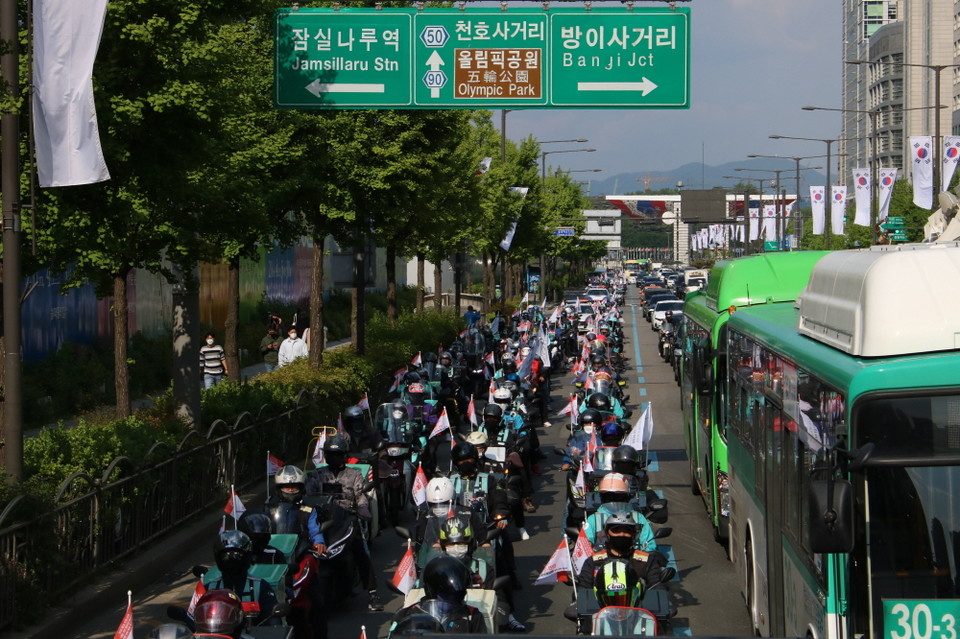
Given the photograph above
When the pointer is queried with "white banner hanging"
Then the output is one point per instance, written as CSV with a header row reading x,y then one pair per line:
x,y
838,207
887,179
754,223
818,208
951,152
862,193
920,146
770,222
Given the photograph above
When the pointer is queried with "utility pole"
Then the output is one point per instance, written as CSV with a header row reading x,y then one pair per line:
x,y
9,187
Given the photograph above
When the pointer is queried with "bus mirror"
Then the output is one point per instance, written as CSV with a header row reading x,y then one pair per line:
x,y
706,379
831,516
859,457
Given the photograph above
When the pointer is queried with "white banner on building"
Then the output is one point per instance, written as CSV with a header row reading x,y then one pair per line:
x,y
838,206
951,152
862,193
818,208
920,146
754,223
66,36
887,178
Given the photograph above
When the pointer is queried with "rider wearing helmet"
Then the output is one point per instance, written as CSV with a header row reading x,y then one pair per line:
x,y
359,434
616,584
233,552
621,532
589,422
611,433
626,461
259,528
615,498
445,582
349,482
218,613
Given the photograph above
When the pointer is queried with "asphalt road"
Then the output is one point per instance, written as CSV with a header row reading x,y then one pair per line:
x,y
706,592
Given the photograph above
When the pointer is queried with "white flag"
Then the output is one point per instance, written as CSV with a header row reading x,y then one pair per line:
x,y
642,431
443,424
66,36
508,239
838,206
887,178
558,568
920,146
419,492
754,223
818,208
484,166
951,152
862,194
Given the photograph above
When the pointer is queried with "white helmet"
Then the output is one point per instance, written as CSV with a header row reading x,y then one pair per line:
x,y
477,438
502,395
439,495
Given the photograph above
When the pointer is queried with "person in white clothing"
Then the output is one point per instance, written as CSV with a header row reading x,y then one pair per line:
x,y
292,348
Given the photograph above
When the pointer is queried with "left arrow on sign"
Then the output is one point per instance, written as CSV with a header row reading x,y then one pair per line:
x,y
645,86
317,87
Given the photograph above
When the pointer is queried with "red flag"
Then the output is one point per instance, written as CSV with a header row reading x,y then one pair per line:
x,y
363,632
472,413
398,378
417,360
406,573
273,465
571,409
419,486
464,333
198,592
125,629
489,359
559,564
443,424
234,506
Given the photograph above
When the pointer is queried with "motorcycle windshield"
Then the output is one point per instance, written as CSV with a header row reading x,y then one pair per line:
x,y
391,426
616,621
602,386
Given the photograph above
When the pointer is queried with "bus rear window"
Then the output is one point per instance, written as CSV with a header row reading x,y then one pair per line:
x,y
925,427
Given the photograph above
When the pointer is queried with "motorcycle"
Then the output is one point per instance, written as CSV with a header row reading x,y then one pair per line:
x,y
403,442
651,618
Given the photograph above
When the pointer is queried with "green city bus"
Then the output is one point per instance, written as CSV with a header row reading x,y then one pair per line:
x,y
758,279
844,449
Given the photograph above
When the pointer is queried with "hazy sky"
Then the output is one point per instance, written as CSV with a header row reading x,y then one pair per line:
x,y
755,63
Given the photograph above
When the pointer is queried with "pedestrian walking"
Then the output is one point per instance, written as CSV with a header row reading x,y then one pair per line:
x,y
213,362
270,348
292,348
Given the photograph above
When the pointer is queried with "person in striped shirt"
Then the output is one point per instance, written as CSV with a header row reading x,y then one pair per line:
x,y
213,362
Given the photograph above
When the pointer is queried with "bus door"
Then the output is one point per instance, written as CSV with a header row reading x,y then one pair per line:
x,y
773,473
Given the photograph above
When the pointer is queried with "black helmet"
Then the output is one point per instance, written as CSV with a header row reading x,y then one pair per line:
x,y
462,451
598,358
353,412
233,552
411,377
509,366
258,527
611,433
493,410
589,416
446,577
600,401
335,444
625,459
416,625
430,357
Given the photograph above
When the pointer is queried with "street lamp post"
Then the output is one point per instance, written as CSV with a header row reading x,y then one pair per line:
x,y
747,242
797,224
777,200
828,143
544,154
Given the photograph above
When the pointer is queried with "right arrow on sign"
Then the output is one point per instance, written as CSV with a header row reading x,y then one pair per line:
x,y
645,86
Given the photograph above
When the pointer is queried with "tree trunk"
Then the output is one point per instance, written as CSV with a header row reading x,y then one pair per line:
x,y
420,282
232,321
438,282
392,284
121,375
317,334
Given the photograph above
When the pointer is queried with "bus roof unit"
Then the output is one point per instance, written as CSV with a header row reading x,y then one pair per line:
x,y
873,302
776,277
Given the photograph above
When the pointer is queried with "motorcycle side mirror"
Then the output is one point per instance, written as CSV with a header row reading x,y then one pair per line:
x,y
403,532
179,613
501,582
199,571
627,412
667,574
572,532
664,531
559,451
368,486
570,612
657,504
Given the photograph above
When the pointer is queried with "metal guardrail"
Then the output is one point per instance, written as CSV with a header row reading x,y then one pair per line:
x,y
96,522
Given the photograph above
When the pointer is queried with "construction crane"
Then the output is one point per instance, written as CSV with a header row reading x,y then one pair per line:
x,y
647,179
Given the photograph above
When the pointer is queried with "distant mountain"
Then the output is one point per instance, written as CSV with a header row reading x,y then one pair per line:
x,y
696,176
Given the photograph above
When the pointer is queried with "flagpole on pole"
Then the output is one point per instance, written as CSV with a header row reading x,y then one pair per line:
x,y
268,474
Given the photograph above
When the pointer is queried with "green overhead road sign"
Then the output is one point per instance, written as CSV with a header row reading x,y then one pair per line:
x,y
482,58
892,223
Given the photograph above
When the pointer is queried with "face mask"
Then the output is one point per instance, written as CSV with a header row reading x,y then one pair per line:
x,y
620,544
293,336
440,509
457,550
210,342
588,429
397,414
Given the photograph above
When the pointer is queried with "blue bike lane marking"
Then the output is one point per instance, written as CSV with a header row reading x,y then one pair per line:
x,y
636,351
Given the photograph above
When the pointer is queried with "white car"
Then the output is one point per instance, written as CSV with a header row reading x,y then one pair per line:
x,y
596,294
660,312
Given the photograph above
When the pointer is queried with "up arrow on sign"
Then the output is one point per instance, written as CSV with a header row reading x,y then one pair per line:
x,y
435,78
